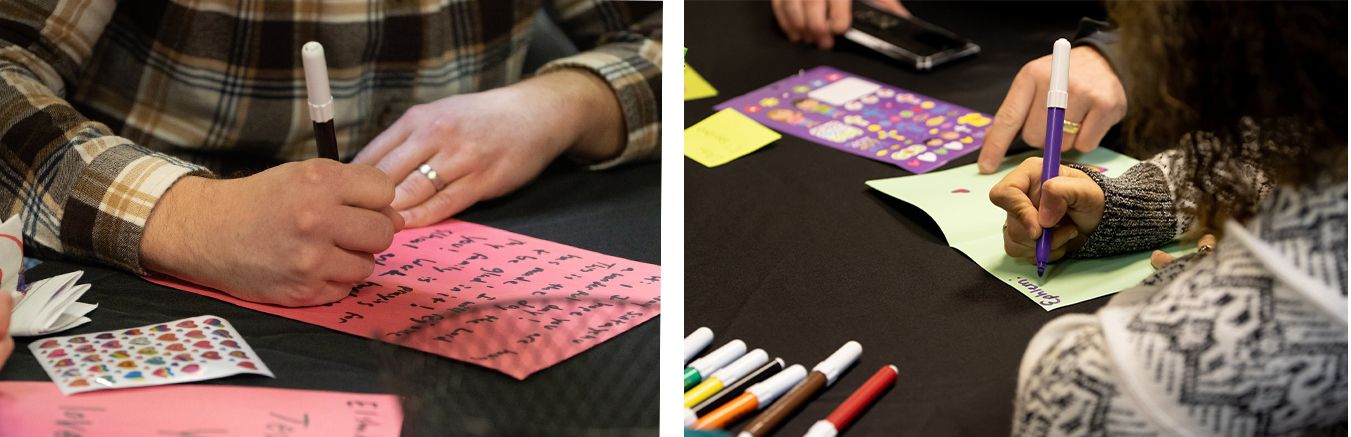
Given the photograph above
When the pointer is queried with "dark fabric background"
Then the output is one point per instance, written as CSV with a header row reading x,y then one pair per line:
x,y
610,389
788,250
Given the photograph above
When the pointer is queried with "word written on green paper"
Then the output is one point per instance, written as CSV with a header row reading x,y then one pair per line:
x,y
958,200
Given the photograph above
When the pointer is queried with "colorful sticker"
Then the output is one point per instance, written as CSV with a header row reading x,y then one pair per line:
x,y
836,132
975,119
174,352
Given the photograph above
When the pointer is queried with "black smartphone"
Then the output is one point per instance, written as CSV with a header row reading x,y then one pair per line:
x,y
913,42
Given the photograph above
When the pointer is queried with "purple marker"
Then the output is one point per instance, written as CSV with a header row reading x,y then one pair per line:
x,y
1056,100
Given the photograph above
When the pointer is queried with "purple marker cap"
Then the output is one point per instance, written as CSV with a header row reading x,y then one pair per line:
x,y
1056,101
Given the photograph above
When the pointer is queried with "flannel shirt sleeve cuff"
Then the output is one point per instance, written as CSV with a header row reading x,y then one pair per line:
x,y
633,70
111,199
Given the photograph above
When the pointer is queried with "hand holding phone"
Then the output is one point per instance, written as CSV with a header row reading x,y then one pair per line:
x,y
820,21
914,42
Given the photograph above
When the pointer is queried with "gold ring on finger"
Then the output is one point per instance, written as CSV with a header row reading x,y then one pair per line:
x,y
1071,128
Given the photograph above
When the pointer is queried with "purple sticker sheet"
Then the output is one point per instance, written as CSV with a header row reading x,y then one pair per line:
x,y
864,117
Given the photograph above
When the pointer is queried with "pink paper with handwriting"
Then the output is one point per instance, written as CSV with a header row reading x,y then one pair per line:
x,y
486,296
31,408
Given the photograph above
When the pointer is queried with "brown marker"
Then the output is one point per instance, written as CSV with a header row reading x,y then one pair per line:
x,y
822,376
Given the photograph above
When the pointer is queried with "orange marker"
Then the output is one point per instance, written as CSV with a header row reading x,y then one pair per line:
x,y
755,397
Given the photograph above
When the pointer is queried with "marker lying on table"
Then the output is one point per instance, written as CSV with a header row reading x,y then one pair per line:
x,y
320,99
1056,101
847,411
755,397
697,341
700,368
727,375
822,376
732,391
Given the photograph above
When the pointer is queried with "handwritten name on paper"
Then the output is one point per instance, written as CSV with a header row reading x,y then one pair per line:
x,y
486,296
39,409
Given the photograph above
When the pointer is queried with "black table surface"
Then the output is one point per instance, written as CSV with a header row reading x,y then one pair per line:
x,y
787,249
608,390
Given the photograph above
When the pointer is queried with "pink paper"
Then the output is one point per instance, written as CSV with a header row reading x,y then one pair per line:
x,y
30,408
486,296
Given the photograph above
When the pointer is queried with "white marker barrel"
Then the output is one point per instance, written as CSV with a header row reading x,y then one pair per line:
x,y
717,359
770,389
697,341
742,366
835,364
316,82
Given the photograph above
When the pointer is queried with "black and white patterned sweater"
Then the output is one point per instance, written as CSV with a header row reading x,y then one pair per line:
x,y
1249,340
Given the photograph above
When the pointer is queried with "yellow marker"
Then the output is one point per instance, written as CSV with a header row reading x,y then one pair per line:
x,y
727,375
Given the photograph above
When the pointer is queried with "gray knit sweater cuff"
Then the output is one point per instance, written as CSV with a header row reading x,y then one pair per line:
x,y
1137,212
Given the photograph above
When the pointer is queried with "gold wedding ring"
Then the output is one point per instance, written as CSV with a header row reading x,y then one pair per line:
x,y
1071,128
1205,248
430,173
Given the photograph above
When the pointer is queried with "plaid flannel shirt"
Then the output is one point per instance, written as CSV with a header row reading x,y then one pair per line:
x,y
104,105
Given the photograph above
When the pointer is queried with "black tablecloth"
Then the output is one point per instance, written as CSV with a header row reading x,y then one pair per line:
x,y
607,390
787,249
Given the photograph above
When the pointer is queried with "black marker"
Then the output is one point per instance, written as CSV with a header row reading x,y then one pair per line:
x,y
321,99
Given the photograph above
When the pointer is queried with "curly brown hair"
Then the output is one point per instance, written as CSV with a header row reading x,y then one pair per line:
x,y
1247,87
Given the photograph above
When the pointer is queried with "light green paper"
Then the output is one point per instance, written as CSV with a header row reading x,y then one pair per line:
x,y
725,136
696,87
974,226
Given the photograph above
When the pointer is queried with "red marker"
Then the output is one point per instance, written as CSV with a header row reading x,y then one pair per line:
x,y
847,411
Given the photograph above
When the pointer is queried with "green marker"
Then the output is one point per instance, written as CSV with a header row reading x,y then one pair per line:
x,y
695,373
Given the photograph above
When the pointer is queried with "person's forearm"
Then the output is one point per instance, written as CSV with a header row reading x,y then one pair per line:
x,y
587,111
621,50
1138,212
93,203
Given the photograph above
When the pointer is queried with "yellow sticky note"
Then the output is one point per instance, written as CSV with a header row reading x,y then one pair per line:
x,y
696,87
725,136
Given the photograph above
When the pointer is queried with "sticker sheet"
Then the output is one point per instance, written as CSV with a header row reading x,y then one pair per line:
x,y
486,296
32,408
192,349
864,117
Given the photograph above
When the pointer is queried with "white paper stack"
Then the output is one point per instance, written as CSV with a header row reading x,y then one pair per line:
x,y
42,307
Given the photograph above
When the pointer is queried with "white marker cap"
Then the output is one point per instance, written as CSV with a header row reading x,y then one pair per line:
x,y
697,341
770,389
1059,96
822,428
717,359
316,82
690,418
742,366
835,364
